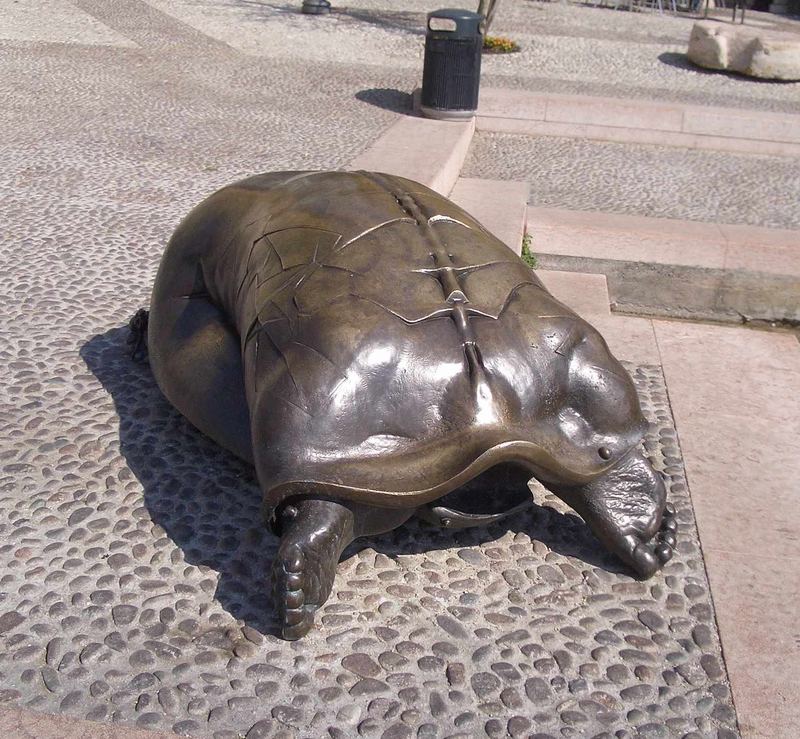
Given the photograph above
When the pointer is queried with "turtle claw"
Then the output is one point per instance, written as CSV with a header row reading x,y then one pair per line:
x,y
304,568
650,555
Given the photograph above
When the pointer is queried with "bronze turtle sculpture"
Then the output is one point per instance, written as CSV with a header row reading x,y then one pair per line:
x,y
375,352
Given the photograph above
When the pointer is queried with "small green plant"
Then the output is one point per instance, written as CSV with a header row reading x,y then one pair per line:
x,y
527,256
499,45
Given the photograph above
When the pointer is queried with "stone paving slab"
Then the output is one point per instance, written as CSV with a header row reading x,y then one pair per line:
x,y
500,205
664,241
428,151
734,394
638,121
586,294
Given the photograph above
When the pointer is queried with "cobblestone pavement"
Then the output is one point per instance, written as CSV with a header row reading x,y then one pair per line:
x,y
661,182
132,567
134,591
565,48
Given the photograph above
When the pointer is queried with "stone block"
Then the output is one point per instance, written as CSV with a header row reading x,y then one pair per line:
x,y
750,51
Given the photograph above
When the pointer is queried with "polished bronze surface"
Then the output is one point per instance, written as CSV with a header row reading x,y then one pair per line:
x,y
374,351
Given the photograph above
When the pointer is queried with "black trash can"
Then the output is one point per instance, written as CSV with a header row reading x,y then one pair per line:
x,y
452,70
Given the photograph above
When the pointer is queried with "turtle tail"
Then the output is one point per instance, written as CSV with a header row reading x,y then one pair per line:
x,y
137,336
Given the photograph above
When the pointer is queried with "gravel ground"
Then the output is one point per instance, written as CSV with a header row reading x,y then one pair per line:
x,y
565,48
640,180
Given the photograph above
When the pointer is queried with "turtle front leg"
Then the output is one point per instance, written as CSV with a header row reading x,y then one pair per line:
x,y
627,510
315,533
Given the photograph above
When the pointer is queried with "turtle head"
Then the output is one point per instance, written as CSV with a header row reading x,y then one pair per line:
x,y
597,465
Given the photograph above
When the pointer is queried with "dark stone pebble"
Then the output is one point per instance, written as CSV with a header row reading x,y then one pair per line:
x,y
51,679
369,726
123,614
506,671
573,717
578,686
652,730
392,660
451,626
472,556
330,693
288,715
398,731
724,714
186,728
635,655
98,713
455,674
606,637
652,620
711,666
10,620
563,659
70,700
484,684
494,728
702,636
361,664
368,686
438,706
518,725
511,699
149,719
261,729
429,663
537,690
444,649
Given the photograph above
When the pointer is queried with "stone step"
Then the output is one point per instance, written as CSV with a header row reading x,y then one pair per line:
x,y
428,151
586,294
686,269
500,205
639,122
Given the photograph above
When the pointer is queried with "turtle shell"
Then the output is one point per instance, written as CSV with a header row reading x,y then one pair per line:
x,y
393,349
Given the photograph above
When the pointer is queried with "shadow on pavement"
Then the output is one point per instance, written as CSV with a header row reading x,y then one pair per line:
x,y
681,61
209,503
388,99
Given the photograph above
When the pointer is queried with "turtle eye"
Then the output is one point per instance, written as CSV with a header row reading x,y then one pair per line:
x,y
604,452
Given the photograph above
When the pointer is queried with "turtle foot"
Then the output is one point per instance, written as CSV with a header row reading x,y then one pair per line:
x,y
647,556
315,532
627,510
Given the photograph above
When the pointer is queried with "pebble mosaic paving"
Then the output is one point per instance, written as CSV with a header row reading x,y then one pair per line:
x,y
133,590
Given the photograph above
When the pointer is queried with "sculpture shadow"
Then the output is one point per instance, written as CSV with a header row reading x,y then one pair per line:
x,y
208,502
389,20
383,97
681,61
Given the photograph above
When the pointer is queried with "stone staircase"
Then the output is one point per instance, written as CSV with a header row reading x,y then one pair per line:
x,y
595,261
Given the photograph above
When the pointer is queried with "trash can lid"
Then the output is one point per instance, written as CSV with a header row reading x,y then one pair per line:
x,y
463,23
